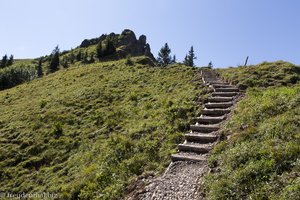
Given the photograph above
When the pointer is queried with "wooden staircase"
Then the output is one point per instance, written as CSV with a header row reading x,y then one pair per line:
x,y
202,136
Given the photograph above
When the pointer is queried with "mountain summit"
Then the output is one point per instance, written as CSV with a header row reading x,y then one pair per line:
x,y
125,43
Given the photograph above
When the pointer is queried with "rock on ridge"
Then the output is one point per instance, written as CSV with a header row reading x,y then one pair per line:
x,y
126,44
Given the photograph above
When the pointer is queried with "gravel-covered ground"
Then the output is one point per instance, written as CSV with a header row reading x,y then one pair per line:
x,y
180,181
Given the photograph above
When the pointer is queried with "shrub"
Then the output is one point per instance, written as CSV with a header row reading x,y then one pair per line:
x,y
15,75
129,61
57,130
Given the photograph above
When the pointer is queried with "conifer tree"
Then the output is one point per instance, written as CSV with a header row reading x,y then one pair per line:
x,y
190,57
39,69
109,47
10,61
3,61
85,58
79,56
164,57
71,57
92,59
64,63
210,65
185,61
99,51
174,60
54,62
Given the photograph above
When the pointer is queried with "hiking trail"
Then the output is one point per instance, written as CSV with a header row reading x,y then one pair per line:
x,y
182,179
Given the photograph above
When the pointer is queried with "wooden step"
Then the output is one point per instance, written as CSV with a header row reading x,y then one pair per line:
x,y
224,85
210,81
200,137
224,94
230,89
195,147
216,82
203,128
182,156
218,105
210,76
215,111
219,99
209,120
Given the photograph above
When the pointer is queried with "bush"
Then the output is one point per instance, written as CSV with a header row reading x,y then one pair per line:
x,y
129,61
15,75
57,130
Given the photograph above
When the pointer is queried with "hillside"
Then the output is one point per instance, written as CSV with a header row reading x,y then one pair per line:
x,y
260,159
107,47
90,130
266,74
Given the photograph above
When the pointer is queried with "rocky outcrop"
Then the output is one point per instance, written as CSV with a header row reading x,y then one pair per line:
x,y
126,44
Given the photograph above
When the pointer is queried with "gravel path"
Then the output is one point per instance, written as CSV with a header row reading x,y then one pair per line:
x,y
180,181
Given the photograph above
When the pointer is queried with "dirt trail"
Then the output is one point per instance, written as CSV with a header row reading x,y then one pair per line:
x,y
182,180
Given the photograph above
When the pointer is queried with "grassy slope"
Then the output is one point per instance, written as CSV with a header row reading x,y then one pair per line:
x,y
261,160
266,74
90,130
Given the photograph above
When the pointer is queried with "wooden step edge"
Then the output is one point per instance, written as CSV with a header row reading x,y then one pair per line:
x,y
218,105
219,99
203,138
224,94
186,157
204,128
196,148
211,117
226,90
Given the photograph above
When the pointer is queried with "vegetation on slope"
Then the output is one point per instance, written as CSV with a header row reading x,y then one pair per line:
x,y
266,74
261,158
105,48
19,72
90,130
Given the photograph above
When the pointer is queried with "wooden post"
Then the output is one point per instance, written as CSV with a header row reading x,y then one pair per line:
x,y
246,61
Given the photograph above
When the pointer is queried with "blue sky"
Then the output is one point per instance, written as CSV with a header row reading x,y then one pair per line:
x,y
221,31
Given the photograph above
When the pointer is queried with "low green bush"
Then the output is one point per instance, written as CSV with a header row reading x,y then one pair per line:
x,y
15,75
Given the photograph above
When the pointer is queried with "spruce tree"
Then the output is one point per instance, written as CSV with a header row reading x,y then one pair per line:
x,y
186,60
71,57
210,65
92,59
174,60
54,62
79,56
64,63
164,57
39,69
99,51
10,61
109,47
3,61
190,57
85,58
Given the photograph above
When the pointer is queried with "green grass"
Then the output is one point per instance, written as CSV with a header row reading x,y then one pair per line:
x,y
266,74
261,160
90,130
24,62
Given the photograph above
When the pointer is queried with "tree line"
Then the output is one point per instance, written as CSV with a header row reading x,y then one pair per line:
x,y
6,62
164,57
105,48
11,76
